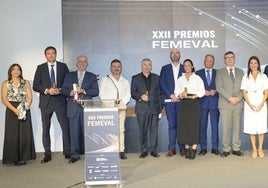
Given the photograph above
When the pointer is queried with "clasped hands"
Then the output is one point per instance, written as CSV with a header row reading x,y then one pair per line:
x,y
53,91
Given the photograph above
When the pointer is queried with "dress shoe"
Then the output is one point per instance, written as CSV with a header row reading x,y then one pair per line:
x,y
225,154
238,153
122,155
67,156
17,164
215,151
154,154
192,154
73,160
143,155
46,159
203,152
183,152
170,153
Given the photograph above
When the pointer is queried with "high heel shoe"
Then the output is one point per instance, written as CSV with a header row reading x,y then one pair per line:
x,y
261,154
254,153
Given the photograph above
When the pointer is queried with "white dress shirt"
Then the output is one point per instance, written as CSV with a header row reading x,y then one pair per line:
x,y
194,85
109,91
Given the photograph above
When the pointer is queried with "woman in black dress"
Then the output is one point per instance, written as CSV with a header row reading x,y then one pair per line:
x,y
17,97
190,89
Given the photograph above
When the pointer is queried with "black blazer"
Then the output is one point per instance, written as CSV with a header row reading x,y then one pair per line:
x,y
138,88
41,82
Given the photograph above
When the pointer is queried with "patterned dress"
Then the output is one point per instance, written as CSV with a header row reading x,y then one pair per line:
x,y
18,140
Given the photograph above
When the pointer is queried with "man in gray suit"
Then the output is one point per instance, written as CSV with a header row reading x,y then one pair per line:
x,y
146,91
228,81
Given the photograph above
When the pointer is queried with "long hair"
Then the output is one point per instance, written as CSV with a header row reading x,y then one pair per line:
x,y
193,69
258,61
11,69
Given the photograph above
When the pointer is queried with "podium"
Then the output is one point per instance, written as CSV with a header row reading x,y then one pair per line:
x,y
102,165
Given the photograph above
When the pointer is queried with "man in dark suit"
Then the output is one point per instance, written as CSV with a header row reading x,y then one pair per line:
x,y
79,84
266,70
209,106
168,78
48,80
145,90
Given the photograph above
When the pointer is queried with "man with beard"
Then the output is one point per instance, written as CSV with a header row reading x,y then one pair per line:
x,y
168,78
116,87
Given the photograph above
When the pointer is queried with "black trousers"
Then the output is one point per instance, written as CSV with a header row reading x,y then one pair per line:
x,y
46,113
148,122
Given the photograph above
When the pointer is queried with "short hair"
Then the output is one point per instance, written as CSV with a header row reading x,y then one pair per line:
x,y
229,52
116,61
11,69
209,55
146,59
81,56
50,48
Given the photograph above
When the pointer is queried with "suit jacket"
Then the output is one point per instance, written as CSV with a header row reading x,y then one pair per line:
x,y
138,88
226,88
266,70
208,102
41,82
167,84
89,84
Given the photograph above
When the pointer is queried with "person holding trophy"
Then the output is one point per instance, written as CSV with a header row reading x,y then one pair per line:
x,y
145,90
190,88
48,80
79,84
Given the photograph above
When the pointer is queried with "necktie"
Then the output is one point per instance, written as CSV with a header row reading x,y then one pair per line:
x,y
80,79
208,77
52,76
232,75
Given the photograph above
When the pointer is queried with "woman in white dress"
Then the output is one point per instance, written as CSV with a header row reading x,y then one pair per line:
x,y
254,87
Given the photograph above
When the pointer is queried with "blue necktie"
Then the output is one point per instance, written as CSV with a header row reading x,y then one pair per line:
x,y
52,76
208,77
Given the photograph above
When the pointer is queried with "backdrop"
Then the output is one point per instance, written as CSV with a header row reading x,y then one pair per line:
x,y
132,30
128,30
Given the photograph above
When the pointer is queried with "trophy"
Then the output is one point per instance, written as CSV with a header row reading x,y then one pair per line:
x,y
186,91
76,94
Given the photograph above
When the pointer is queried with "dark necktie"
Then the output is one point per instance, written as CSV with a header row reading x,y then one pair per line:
x,y
232,75
52,76
208,77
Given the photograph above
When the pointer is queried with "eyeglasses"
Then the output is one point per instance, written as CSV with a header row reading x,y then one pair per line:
x,y
232,57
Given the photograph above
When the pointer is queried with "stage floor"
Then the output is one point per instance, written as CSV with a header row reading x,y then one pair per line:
x,y
203,172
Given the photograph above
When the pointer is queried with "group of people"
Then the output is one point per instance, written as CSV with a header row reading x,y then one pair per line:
x,y
188,97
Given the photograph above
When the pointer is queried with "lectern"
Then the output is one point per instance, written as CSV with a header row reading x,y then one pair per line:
x,y
102,165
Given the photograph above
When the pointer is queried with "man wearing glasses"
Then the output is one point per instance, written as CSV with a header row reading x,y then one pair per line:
x,y
228,81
